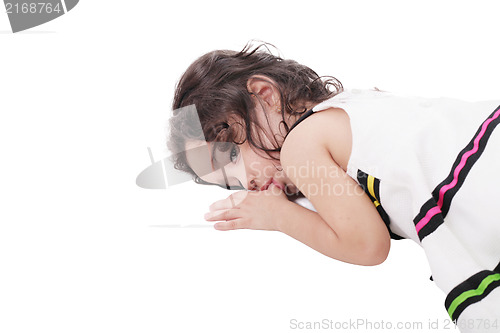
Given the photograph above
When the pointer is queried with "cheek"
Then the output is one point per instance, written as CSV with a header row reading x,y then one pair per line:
x,y
259,164
269,170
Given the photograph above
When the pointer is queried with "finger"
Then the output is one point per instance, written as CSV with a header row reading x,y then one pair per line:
x,y
220,215
219,205
230,225
231,201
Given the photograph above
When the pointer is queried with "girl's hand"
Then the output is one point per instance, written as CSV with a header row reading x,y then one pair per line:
x,y
258,210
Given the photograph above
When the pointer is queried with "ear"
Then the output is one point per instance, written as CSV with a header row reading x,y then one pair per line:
x,y
264,88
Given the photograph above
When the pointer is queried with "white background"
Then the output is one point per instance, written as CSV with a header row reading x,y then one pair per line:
x,y
83,96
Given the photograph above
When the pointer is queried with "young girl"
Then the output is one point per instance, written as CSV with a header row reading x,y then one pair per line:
x,y
374,166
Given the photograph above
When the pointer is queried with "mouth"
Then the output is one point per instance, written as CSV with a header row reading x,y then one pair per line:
x,y
269,182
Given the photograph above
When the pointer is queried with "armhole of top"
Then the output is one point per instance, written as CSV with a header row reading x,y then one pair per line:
x,y
302,117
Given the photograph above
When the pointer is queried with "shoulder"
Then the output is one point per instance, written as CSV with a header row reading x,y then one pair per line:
x,y
328,129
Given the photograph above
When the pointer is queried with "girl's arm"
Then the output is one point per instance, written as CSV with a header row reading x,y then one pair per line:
x,y
347,225
311,229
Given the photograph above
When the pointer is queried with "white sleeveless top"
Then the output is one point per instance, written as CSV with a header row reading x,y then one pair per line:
x,y
408,143
413,148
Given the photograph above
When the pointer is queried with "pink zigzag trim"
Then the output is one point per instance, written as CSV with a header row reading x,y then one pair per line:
x,y
459,168
430,214
437,209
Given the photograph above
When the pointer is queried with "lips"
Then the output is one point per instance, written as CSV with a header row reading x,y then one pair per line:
x,y
269,182
266,185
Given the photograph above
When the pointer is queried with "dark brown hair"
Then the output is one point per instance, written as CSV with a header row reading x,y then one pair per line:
x,y
216,83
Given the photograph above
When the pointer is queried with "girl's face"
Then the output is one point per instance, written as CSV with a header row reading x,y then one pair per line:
x,y
228,164
234,165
